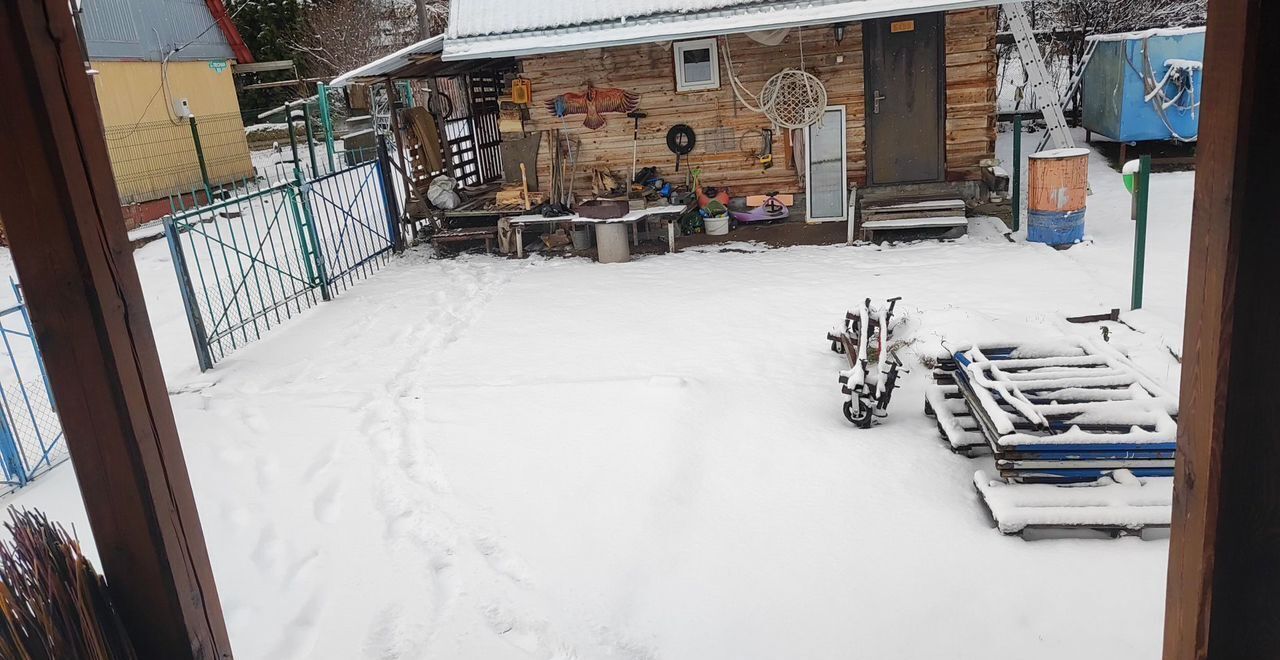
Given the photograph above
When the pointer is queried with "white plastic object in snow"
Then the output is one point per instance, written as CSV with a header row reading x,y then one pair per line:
x,y
440,193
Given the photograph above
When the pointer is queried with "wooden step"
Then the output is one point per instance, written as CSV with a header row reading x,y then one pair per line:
x,y
927,222
932,208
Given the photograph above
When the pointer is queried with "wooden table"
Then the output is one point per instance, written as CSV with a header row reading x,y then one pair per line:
x,y
671,213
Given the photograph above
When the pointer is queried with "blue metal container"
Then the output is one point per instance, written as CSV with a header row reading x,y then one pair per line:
x,y
1055,227
1115,94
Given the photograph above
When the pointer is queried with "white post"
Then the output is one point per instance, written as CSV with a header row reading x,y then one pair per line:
x,y
851,213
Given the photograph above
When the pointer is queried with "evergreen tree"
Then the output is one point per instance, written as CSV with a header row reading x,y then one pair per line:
x,y
268,27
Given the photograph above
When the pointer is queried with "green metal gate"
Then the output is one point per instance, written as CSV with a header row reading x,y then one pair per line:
x,y
247,264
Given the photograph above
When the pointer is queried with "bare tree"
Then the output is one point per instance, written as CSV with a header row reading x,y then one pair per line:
x,y
1107,16
340,35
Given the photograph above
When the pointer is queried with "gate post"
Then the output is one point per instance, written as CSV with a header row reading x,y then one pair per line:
x,y
316,253
204,168
198,334
389,195
322,98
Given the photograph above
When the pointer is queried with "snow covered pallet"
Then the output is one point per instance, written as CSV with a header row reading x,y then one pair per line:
x,y
1114,505
946,405
1070,414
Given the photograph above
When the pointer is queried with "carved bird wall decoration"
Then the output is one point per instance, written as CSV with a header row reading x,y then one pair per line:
x,y
594,103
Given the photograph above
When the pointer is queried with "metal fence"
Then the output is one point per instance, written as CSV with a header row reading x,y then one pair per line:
x,y
249,263
152,160
31,441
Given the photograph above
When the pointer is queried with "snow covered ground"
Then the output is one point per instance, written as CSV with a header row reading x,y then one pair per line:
x,y
491,458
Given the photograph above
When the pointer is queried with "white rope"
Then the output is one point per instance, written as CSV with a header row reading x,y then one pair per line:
x,y
738,88
792,98
800,36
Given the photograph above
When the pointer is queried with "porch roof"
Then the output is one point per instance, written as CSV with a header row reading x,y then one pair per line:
x,y
507,28
417,60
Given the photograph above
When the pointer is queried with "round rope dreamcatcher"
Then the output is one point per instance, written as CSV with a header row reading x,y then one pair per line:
x,y
792,98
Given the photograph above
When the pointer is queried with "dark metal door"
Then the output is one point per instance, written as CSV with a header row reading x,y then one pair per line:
x,y
905,90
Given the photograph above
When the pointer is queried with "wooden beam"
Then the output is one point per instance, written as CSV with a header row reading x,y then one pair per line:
x,y
1222,585
62,215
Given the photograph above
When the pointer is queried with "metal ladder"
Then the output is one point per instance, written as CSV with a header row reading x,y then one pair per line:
x,y
1074,85
1045,91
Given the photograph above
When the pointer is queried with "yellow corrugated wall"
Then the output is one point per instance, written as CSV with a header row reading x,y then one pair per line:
x,y
152,152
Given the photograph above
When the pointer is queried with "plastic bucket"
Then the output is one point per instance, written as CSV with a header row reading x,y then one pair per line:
x,y
717,226
581,237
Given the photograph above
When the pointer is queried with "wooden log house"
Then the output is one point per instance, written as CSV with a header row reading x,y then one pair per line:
x,y
916,92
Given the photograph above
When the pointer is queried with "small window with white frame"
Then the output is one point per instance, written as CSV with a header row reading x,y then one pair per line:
x,y
697,65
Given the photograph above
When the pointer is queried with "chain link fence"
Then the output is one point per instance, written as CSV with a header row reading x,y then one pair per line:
x,y
155,160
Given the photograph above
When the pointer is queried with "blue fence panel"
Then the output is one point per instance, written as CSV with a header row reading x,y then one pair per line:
x,y
31,440
355,232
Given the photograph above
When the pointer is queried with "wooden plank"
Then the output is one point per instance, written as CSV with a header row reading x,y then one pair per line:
x,y
1220,600
62,215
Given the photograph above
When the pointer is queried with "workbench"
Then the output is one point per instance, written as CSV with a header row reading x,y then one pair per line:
x,y
669,214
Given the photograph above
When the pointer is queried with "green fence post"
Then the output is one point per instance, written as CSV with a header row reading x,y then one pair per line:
x,y
1140,190
313,257
322,94
204,168
1017,172
406,90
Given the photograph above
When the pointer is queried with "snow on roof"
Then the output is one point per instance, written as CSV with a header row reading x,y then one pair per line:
x,y
1143,34
392,62
492,28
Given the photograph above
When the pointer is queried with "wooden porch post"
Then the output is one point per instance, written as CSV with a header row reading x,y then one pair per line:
x,y
1223,598
62,214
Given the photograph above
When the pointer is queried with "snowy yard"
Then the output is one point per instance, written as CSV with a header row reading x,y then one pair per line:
x,y
491,458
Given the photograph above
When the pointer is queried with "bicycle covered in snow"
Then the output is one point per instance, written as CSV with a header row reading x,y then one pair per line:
x,y
865,338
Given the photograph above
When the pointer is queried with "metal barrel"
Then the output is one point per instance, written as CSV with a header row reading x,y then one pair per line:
x,y
1058,181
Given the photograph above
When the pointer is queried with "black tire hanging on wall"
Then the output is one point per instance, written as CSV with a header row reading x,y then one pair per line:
x,y
681,139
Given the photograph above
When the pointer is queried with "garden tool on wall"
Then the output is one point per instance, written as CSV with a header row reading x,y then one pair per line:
x,y
635,139
765,157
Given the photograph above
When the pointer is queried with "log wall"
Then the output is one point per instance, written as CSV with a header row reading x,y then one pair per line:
x,y
648,70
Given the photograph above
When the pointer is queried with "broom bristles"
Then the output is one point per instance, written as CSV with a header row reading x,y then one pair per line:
x,y
53,604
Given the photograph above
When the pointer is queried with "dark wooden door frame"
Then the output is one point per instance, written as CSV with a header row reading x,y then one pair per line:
x,y
59,202
869,101
1223,596
62,215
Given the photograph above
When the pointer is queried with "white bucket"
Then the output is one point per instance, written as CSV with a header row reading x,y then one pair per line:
x,y
716,226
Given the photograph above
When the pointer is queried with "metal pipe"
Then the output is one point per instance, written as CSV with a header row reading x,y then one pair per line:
x,y
204,168
1017,172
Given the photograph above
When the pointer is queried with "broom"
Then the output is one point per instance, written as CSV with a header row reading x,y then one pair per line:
x,y
53,604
